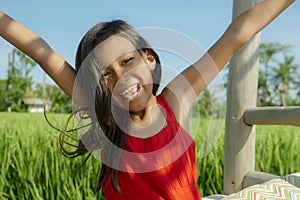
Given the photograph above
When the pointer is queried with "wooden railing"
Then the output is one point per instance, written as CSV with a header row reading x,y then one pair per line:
x,y
273,116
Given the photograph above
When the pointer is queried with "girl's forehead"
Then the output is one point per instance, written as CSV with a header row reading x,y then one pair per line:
x,y
111,49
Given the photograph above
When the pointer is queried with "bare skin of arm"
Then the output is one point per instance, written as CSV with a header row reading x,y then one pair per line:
x,y
182,91
35,47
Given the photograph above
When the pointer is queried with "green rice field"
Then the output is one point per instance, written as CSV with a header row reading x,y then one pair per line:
x,y
32,167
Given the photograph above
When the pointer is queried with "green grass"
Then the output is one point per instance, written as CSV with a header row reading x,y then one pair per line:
x,y
277,152
32,166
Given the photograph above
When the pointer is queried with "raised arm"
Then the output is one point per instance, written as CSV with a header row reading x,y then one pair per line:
x,y
183,90
35,47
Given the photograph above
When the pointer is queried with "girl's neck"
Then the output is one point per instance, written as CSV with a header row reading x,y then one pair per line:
x,y
147,122
142,116
138,116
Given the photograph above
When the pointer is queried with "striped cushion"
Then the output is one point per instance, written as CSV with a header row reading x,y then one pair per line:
x,y
273,189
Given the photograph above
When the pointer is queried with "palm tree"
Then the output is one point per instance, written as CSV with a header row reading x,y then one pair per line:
x,y
284,77
267,59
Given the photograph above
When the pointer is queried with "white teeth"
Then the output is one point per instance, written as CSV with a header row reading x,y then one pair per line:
x,y
131,88
131,93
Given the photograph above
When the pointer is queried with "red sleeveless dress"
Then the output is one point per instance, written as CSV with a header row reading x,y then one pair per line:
x,y
162,166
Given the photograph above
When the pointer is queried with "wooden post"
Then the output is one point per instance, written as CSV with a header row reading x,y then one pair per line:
x,y
242,94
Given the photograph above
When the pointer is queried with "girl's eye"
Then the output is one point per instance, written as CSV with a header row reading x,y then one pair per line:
x,y
105,74
126,61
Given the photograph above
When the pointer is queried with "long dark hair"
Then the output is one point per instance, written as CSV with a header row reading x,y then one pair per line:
x,y
103,119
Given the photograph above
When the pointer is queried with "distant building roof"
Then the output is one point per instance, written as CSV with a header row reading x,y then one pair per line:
x,y
35,101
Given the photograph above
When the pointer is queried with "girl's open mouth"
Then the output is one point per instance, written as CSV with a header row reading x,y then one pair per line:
x,y
131,92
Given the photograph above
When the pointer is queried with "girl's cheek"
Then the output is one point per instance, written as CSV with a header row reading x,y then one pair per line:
x,y
109,83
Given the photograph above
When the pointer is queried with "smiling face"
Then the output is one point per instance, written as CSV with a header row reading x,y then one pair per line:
x,y
126,72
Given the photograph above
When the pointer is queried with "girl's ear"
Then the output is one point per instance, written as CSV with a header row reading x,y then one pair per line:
x,y
150,60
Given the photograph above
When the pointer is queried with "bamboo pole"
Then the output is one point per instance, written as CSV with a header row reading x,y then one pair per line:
x,y
241,94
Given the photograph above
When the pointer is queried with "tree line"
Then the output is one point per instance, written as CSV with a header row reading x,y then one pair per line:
x,y
19,85
278,84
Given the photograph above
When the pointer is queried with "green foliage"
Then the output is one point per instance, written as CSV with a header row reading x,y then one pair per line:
x,y
207,104
2,94
278,76
204,103
18,85
61,103
32,167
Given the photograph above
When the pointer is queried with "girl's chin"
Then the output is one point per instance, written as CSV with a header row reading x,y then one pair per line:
x,y
134,106
131,106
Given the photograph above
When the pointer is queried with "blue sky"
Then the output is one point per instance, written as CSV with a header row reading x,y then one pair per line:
x,y
63,23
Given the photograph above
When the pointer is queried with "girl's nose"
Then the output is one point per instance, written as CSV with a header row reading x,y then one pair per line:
x,y
123,78
122,74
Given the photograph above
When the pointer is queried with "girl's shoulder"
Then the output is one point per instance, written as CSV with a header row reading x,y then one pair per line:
x,y
172,102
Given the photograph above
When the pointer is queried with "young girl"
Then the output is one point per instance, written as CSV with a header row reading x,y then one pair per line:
x,y
146,150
